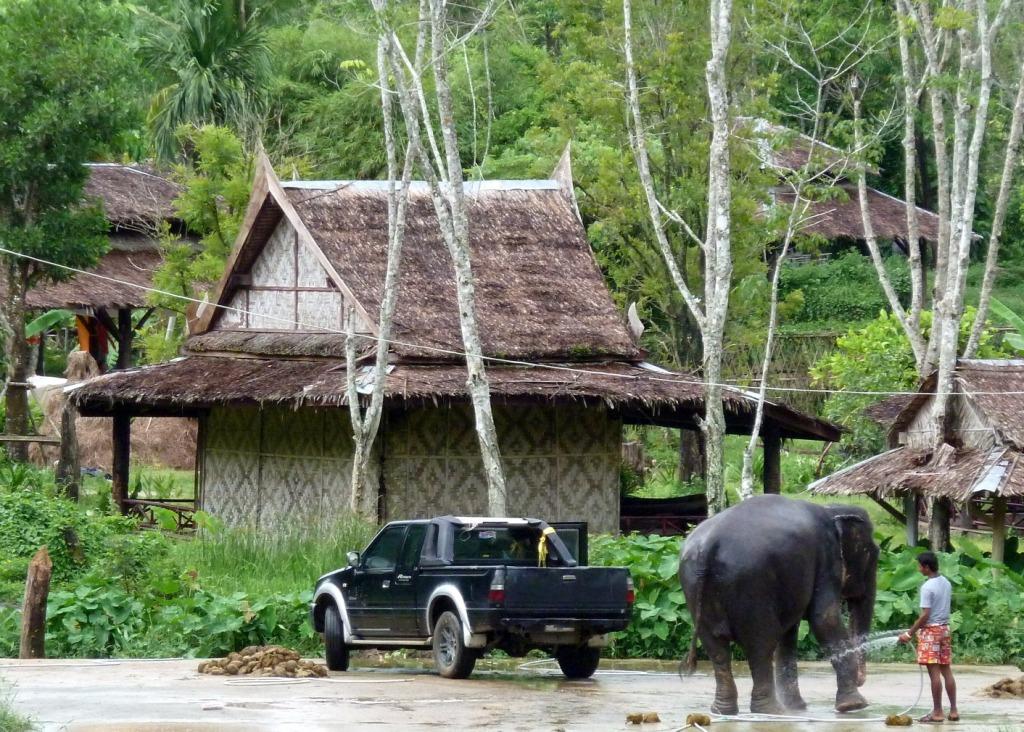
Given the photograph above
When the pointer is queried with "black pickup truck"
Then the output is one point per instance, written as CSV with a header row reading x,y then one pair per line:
x,y
464,585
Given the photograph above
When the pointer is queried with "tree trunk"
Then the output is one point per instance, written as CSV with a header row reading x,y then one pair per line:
x,y
68,468
772,446
18,358
33,615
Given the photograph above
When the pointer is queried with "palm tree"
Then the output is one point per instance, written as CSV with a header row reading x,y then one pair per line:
x,y
213,61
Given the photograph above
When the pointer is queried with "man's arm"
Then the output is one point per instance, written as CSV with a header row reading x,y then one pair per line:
x,y
922,619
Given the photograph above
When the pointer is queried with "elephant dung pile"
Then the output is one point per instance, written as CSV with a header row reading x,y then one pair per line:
x,y
1006,689
263,661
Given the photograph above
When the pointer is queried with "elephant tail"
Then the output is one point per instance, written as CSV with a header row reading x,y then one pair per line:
x,y
689,664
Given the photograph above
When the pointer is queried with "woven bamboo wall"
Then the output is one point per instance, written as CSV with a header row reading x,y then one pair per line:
x,y
264,467
561,464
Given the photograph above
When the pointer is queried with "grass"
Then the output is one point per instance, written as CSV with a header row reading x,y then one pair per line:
x,y
261,563
10,720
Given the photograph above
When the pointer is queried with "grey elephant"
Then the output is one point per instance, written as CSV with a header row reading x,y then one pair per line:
x,y
754,571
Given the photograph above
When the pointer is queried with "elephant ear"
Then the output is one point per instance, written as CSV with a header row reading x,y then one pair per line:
x,y
858,552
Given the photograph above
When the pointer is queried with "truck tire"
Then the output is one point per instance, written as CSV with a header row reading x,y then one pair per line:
x,y
334,640
578,662
451,657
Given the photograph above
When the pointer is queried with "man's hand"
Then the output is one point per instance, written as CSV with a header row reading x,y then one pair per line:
x,y
904,637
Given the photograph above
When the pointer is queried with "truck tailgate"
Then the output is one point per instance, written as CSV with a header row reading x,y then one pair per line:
x,y
579,592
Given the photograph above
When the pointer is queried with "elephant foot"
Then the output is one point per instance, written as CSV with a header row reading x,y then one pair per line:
x,y
850,702
725,708
766,706
794,702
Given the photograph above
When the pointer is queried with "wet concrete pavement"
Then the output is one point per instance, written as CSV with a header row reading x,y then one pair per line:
x,y
169,696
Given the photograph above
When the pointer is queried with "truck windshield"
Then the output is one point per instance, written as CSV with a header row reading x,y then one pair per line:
x,y
485,545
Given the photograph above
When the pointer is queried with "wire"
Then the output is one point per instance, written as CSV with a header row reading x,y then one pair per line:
x,y
652,376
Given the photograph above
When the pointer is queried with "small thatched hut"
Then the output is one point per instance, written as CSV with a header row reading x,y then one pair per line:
x,y
137,201
264,368
979,466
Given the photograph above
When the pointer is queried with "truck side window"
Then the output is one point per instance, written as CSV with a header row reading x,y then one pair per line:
x,y
383,553
413,546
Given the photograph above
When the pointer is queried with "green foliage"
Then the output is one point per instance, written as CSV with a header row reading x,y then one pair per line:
x,y
1012,340
217,186
988,609
845,289
877,359
48,321
11,721
63,81
212,60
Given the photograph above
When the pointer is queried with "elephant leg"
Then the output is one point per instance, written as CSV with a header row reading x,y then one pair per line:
x,y
785,670
827,626
762,698
725,686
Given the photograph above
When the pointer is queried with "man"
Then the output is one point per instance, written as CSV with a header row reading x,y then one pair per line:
x,y
934,650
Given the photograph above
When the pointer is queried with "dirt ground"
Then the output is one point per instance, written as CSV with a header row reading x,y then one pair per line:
x,y
170,696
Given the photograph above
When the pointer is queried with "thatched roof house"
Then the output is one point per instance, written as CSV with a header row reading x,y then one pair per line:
x,y
979,464
787,151
264,368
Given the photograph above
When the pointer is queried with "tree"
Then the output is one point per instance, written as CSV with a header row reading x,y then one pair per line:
x,y
442,168
212,60
64,68
710,311
216,192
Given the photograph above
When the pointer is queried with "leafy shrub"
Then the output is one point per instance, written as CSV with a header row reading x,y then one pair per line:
x,y
988,609
845,289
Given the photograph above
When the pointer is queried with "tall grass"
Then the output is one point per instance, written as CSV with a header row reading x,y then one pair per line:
x,y
259,561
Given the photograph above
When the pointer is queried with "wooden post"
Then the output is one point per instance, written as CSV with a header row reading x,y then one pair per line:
x,y
33,615
122,441
910,509
124,338
938,530
69,472
691,455
998,530
772,475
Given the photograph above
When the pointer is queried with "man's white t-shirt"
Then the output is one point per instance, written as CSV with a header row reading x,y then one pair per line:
x,y
936,594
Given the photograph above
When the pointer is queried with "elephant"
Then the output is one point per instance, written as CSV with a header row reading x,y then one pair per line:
x,y
750,575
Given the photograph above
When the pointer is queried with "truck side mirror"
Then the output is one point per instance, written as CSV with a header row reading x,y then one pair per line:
x,y
353,559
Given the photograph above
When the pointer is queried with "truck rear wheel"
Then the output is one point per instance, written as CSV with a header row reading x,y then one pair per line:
x,y
452,658
578,662
334,640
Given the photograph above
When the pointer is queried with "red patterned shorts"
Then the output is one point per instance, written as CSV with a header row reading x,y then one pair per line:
x,y
934,646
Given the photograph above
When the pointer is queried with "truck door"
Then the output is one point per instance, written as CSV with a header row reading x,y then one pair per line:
x,y
405,600
371,582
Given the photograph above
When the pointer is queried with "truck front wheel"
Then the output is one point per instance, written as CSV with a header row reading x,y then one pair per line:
x,y
452,658
578,662
334,640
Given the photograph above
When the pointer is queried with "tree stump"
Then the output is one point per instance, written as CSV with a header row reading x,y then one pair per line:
x,y
69,473
33,616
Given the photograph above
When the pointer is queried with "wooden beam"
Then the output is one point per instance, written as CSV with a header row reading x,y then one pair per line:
x,y
999,530
772,471
889,509
33,614
30,438
142,321
122,441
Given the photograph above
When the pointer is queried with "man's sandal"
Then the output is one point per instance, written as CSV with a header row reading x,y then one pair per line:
x,y
929,719
953,717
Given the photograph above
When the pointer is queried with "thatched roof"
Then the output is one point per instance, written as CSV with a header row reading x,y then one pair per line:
x,y
135,196
540,294
260,343
840,217
956,474
642,395
85,291
886,411
788,151
995,386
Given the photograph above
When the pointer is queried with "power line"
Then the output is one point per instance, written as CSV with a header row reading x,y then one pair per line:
x,y
746,390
